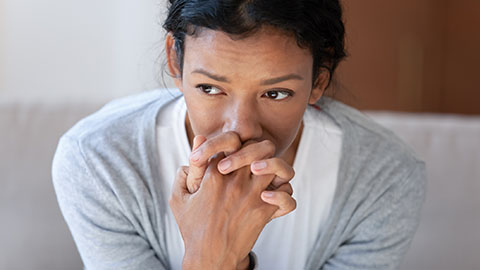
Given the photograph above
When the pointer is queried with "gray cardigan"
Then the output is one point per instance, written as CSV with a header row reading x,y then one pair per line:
x,y
107,185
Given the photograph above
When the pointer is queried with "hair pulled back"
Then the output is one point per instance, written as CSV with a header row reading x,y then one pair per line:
x,y
316,24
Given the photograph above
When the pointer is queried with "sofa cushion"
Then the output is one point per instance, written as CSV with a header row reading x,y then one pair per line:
x,y
448,235
34,234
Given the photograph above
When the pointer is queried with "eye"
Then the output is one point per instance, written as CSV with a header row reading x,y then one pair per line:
x,y
208,89
278,95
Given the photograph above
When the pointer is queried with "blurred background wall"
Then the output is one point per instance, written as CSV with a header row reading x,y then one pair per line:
x,y
57,51
412,55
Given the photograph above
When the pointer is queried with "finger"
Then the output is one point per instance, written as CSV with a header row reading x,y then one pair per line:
x,y
226,142
197,141
246,155
282,200
179,189
287,187
212,176
277,166
196,173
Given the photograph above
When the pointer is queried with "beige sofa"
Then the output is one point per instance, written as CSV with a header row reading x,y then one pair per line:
x,y
34,235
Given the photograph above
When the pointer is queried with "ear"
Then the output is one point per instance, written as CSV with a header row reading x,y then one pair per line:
x,y
172,61
319,86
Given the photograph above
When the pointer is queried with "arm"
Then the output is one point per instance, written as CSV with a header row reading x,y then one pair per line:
x,y
105,237
383,236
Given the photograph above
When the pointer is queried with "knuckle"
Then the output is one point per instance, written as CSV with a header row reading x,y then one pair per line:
x,y
286,170
240,157
292,173
277,163
234,146
180,172
230,134
232,137
269,143
206,146
289,189
270,146
293,205
287,166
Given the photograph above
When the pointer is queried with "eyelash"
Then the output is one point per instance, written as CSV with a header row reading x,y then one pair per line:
x,y
288,93
203,87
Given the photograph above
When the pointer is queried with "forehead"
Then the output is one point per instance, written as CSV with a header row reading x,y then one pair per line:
x,y
267,49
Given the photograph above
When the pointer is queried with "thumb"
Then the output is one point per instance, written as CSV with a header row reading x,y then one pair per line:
x,y
195,173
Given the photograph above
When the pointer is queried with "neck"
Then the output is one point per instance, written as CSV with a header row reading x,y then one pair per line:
x,y
188,127
291,152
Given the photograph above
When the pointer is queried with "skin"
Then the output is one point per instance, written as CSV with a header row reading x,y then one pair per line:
x,y
245,102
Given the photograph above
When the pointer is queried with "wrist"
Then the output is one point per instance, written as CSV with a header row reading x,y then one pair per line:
x,y
196,262
249,263
244,264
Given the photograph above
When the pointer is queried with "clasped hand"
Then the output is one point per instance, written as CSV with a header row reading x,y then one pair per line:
x,y
222,203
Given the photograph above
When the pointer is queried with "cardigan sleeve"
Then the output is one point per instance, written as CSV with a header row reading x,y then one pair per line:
x,y
382,237
105,237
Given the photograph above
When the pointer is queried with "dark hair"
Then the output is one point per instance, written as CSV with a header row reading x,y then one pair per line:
x,y
316,24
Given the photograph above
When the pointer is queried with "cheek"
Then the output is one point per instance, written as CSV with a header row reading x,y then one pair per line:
x,y
202,117
283,128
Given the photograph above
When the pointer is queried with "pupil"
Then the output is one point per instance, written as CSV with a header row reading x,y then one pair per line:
x,y
273,94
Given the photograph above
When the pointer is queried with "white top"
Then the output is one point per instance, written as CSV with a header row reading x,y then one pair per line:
x,y
285,242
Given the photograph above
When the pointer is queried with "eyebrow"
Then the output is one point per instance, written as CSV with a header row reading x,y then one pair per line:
x,y
219,78
211,76
282,79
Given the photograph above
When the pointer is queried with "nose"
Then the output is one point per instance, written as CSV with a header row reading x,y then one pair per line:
x,y
243,119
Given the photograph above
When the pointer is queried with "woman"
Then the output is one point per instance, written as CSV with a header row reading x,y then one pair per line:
x,y
251,122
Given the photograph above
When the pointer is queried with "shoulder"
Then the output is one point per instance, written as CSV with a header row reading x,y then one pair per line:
x,y
104,174
379,195
121,128
122,116
365,136
116,142
374,158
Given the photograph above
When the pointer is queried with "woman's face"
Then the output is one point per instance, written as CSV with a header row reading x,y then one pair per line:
x,y
257,86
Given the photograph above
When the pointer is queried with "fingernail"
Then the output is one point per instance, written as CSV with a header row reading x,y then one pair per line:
x,y
259,165
195,143
224,164
196,155
267,194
